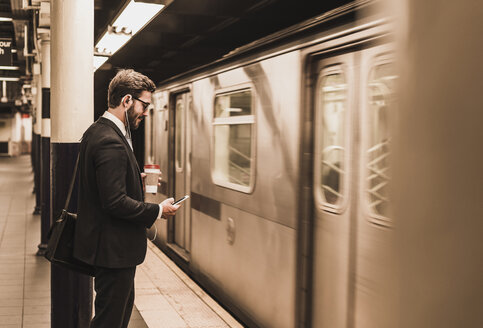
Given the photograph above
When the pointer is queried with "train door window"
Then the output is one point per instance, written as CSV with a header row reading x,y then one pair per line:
x,y
381,101
233,132
179,136
331,117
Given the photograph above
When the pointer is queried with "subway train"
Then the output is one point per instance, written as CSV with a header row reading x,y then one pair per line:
x,y
283,146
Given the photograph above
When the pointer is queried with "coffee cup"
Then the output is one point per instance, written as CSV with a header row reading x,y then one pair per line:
x,y
152,175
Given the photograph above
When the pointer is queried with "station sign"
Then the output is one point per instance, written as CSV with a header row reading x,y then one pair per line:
x,y
5,52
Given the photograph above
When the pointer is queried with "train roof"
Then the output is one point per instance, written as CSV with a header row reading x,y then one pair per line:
x,y
294,35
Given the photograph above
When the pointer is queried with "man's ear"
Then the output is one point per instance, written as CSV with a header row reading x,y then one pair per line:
x,y
126,99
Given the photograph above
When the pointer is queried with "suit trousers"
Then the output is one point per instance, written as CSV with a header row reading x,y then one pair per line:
x,y
114,297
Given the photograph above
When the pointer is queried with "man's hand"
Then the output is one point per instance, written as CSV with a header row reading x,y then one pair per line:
x,y
168,208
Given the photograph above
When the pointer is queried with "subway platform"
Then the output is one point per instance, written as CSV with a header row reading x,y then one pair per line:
x,y
165,296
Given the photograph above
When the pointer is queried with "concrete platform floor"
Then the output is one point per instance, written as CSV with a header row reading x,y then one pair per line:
x,y
165,296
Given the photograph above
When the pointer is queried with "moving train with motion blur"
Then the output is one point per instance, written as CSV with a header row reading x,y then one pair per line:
x,y
283,146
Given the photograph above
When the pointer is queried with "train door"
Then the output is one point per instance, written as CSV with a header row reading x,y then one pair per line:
x,y
373,273
180,232
334,102
352,98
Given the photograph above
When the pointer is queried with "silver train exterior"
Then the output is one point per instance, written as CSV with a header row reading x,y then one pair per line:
x,y
283,147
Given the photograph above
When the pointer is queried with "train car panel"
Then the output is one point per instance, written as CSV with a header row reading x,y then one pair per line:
x,y
275,122
250,261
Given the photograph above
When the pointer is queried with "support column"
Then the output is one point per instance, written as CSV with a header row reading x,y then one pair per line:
x,y
45,144
437,164
36,135
72,113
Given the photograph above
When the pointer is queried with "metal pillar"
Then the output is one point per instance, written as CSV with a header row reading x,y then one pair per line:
x,y
37,132
45,145
437,165
72,113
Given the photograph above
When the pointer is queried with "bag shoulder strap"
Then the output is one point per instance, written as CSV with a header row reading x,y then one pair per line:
x,y
71,187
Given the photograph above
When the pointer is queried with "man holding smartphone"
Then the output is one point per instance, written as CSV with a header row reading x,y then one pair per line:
x,y
112,215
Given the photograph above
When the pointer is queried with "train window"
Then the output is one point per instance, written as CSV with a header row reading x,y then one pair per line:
x,y
331,110
233,145
381,98
179,134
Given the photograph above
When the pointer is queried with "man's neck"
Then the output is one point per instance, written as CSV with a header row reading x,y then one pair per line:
x,y
119,113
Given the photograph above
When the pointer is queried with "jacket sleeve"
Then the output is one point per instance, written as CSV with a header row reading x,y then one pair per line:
x,y
110,161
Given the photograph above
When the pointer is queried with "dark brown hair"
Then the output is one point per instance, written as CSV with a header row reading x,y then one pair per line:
x,y
127,81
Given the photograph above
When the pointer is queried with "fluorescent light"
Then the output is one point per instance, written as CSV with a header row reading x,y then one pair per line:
x,y
5,19
10,79
98,61
110,43
132,19
136,15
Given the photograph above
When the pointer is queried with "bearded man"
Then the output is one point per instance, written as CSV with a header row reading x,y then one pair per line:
x,y
112,216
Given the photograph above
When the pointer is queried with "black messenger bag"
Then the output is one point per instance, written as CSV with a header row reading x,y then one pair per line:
x,y
60,247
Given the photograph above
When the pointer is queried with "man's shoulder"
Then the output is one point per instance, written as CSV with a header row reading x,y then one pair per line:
x,y
100,132
101,127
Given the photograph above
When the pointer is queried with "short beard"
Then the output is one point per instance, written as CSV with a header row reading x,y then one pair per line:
x,y
132,118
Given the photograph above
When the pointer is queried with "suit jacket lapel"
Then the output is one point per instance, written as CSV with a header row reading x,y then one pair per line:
x,y
106,121
134,162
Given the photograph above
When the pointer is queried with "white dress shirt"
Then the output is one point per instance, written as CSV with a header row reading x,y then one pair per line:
x,y
119,124
111,117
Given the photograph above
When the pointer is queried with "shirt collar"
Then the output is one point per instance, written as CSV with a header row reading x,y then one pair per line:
x,y
116,121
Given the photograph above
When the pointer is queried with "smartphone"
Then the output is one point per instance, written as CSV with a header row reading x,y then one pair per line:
x,y
179,201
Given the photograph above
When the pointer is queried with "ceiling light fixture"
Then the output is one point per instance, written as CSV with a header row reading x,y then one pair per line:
x,y
131,20
99,61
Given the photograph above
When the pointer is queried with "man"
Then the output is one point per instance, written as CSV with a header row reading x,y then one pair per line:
x,y
112,216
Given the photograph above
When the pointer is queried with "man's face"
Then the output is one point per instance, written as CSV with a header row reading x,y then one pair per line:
x,y
138,110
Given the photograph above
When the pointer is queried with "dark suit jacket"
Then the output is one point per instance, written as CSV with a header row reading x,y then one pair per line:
x,y
112,217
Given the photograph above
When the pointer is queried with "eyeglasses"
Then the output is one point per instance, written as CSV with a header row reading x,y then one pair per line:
x,y
145,104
